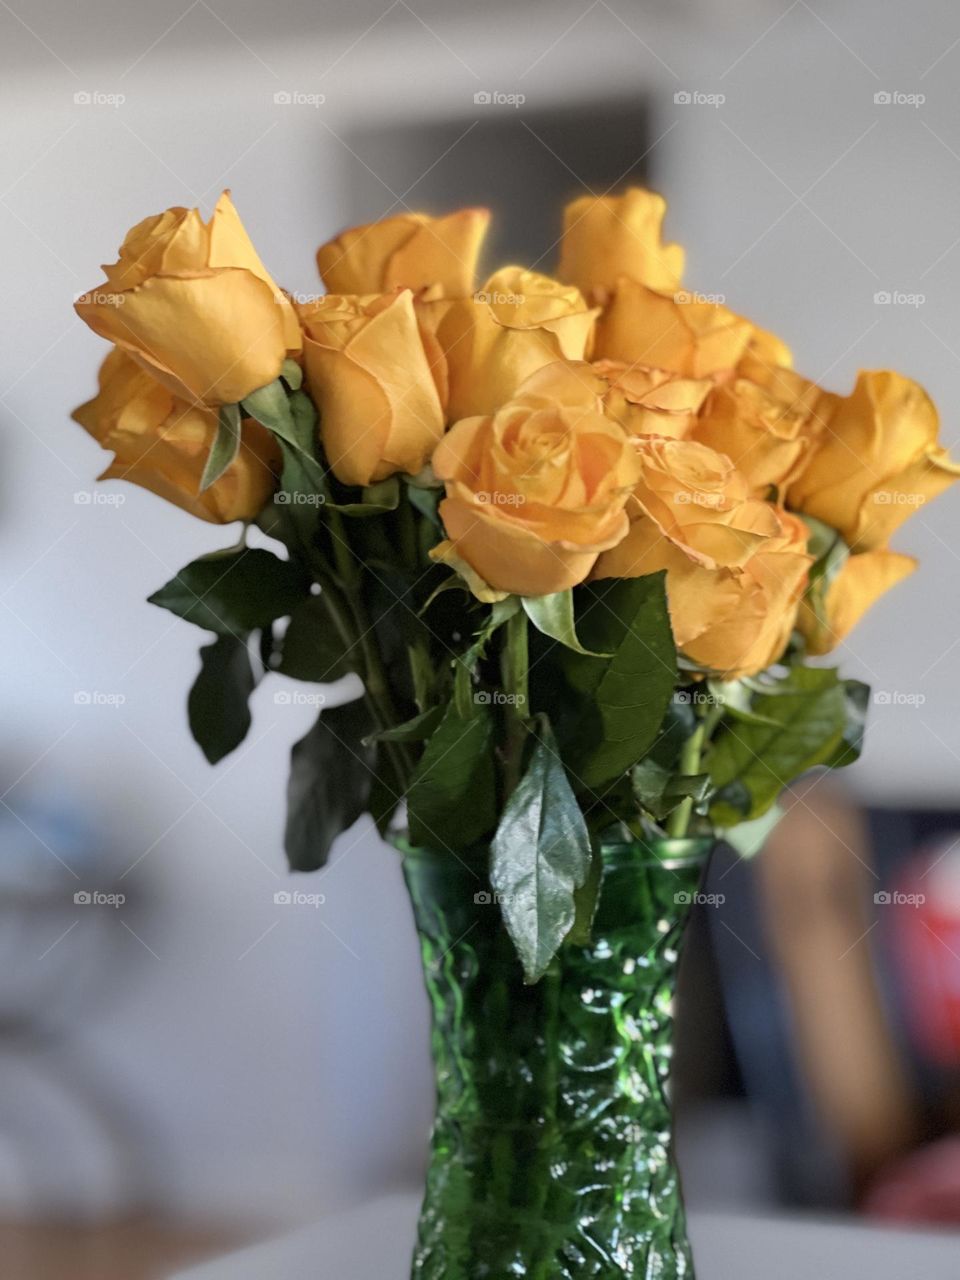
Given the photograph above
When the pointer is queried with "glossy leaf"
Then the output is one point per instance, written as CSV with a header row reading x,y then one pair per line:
x,y
553,615
540,856
808,718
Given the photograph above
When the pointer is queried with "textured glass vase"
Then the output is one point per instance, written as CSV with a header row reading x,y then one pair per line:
x,y
551,1152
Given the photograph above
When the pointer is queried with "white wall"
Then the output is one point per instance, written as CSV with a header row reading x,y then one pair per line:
x,y
286,1066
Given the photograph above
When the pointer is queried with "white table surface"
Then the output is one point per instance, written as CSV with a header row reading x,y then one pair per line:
x,y
374,1242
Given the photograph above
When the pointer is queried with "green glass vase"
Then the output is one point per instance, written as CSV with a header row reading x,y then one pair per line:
x,y
551,1152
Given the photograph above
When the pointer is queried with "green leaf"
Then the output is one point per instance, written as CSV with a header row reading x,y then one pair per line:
x,y
292,374
659,791
329,786
808,718
553,615
540,856
374,500
225,447
585,900
271,407
416,729
311,648
452,795
234,591
217,705
619,702
426,502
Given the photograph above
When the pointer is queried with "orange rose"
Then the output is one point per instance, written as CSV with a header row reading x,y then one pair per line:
x,y
736,567
369,373
830,612
517,323
680,332
648,401
161,443
193,304
606,237
409,251
536,491
874,460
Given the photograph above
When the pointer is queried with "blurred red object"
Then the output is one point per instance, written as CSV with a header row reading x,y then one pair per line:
x,y
925,925
922,1187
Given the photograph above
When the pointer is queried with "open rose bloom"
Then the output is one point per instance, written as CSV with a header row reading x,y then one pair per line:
x,y
570,544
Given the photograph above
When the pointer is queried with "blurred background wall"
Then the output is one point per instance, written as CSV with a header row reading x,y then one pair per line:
x,y
199,1048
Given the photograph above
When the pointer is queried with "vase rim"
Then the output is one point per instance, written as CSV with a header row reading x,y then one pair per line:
x,y
678,852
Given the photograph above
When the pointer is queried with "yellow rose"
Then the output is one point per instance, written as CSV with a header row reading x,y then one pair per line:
x,y
369,374
161,443
734,621
699,501
874,460
537,491
859,584
648,401
410,251
680,332
517,323
765,433
194,305
605,237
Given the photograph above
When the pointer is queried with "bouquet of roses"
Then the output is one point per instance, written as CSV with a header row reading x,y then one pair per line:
x,y
577,535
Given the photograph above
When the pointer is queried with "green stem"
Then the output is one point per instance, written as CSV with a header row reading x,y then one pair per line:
x,y
515,672
374,676
679,820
